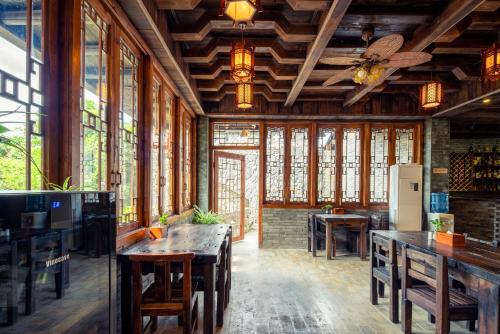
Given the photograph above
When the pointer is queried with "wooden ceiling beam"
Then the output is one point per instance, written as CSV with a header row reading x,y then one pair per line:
x,y
261,78
309,5
456,11
461,47
267,20
329,25
262,46
489,6
230,90
177,4
277,71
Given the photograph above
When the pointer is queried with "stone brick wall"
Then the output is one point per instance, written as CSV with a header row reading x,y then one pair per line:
x,y
202,162
436,155
287,228
479,217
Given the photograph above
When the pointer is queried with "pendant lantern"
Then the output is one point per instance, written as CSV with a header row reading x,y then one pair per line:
x,y
242,62
240,11
491,63
244,95
431,95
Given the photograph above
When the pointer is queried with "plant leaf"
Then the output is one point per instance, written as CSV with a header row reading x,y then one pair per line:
x,y
3,129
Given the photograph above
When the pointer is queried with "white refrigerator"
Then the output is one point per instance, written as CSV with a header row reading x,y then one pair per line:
x,y
405,197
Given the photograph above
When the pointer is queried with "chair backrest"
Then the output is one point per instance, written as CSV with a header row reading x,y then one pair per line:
x,y
162,272
431,270
48,252
383,251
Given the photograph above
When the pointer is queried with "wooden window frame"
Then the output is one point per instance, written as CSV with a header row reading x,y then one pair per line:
x,y
365,141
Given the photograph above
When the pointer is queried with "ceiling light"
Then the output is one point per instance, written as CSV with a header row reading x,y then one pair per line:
x,y
486,100
242,62
244,95
431,95
240,11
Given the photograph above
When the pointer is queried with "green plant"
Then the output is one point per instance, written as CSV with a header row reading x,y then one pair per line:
x,y
163,219
64,187
205,217
327,207
438,224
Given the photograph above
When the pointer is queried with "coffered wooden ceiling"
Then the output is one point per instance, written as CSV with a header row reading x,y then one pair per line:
x,y
290,37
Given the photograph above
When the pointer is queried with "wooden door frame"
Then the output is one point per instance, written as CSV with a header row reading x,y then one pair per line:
x,y
222,154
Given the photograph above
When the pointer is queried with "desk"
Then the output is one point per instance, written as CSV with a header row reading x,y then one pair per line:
x,y
344,220
205,241
477,266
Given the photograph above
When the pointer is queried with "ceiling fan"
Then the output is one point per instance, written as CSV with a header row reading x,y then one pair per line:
x,y
370,66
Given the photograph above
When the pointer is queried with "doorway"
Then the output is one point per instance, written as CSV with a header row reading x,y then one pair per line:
x,y
235,177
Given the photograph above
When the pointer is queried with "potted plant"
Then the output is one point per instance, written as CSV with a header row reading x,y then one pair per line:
x,y
205,217
327,208
159,229
446,237
438,225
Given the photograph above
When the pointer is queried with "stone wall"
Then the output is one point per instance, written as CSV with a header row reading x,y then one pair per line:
x,y
286,228
478,217
202,162
436,155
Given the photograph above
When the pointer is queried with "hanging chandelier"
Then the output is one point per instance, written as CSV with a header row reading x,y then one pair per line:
x,y
240,11
244,95
431,95
242,62
491,62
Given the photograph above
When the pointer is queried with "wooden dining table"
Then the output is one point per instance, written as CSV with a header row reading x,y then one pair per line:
x,y
205,241
341,220
477,266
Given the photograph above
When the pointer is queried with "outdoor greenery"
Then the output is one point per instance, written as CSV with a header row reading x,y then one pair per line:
x,y
205,217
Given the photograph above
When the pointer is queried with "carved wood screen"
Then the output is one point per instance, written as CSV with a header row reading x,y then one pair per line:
x,y
155,151
351,165
299,165
94,124
230,191
235,134
379,165
327,164
21,94
128,139
404,145
275,163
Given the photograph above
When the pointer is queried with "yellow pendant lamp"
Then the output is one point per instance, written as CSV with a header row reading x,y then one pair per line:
x,y
242,62
244,95
240,11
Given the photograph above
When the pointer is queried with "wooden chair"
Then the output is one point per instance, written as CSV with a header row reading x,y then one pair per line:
x,y
384,271
8,280
42,249
164,297
434,296
317,229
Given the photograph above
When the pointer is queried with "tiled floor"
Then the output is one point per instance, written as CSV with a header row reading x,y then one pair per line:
x,y
288,291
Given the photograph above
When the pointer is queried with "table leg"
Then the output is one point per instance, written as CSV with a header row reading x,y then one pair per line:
x,y
328,240
489,308
209,298
362,241
314,243
126,297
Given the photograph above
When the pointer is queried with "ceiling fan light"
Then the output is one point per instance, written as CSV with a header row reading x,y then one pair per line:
x,y
376,72
242,62
491,63
244,95
360,75
431,95
240,11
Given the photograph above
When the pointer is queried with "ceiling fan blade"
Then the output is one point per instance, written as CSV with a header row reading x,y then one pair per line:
x,y
341,60
407,59
345,74
384,47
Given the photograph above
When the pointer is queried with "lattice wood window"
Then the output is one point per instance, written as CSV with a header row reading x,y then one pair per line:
x,y
21,100
299,165
327,164
187,162
275,163
404,145
128,141
94,124
236,134
155,152
379,165
351,164
167,160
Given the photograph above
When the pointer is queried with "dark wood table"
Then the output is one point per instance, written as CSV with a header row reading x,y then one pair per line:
x,y
205,241
477,266
344,220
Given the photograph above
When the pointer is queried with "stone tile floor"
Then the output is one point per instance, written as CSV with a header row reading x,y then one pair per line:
x,y
288,291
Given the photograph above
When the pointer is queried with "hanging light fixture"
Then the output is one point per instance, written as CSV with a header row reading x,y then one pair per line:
x,y
242,62
491,62
244,95
431,95
240,11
